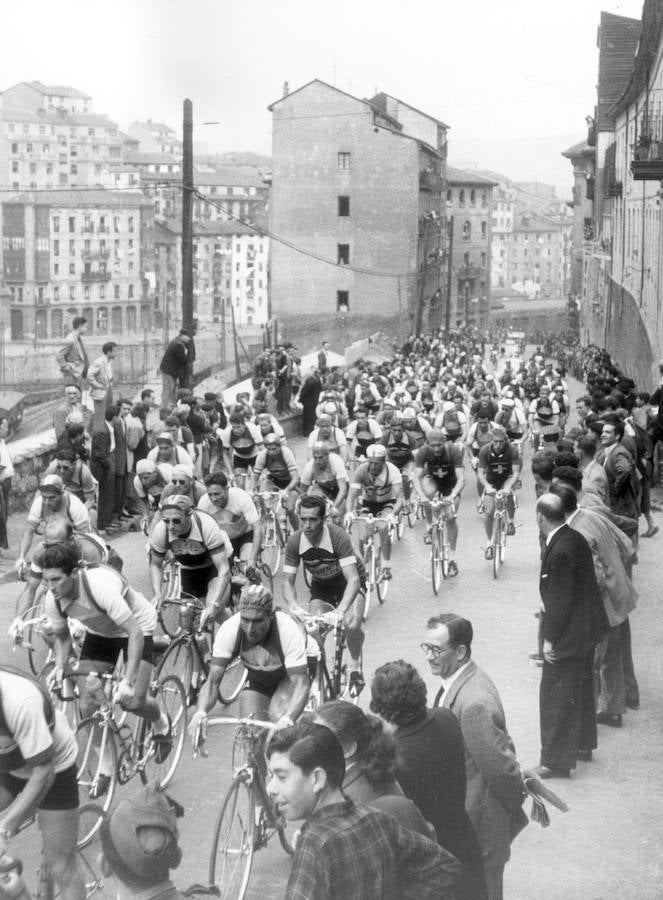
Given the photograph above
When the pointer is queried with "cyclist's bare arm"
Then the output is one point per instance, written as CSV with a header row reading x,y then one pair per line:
x,y
300,691
481,476
352,588
256,542
156,563
39,781
342,493
398,496
418,481
353,493
289,592
219,584
460,482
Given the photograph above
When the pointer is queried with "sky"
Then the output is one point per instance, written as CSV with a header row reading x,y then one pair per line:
x,y
514,80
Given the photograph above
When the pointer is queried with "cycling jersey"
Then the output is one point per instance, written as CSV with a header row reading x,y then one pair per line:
x,y
237,517
91,547
104,603
498,466
74,511
32,732
280,466
379,489
398,452
514,421
243,445
194,550
333,442
324,563
281,652
365,433
441,467
327,479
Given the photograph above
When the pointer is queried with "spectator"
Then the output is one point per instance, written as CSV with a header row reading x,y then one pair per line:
x,y
345,850
102,464
173,368
6,474
189,333
72,404
72,357
309,393
323,358
100,379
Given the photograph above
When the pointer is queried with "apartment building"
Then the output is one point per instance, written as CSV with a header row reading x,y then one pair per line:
x,y
539,256
70,253
156,138
504,203
357,204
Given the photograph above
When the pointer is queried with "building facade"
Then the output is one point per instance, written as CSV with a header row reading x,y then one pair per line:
x,y
357,209
470,204
539,256
504,199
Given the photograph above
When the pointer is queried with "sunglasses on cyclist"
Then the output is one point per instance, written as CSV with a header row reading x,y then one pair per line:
x,y
179,480
177,520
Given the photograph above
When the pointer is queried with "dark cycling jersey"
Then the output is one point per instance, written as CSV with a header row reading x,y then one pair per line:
x,y
399,453
441,468
324,563
498,466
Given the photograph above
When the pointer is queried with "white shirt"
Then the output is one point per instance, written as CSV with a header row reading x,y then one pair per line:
x,y
447,682
6,461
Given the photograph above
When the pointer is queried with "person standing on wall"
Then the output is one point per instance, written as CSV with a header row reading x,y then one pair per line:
x,y
100,378
72,356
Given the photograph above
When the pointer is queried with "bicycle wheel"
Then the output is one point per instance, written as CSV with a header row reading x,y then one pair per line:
x,y
168,612
400,525
411,512
270,553
435,559
444,554
97,760
369,564
172,701
321,688
36,640
496,542
178,660
234,679
382,583
67,702
90,817
231,856
88,850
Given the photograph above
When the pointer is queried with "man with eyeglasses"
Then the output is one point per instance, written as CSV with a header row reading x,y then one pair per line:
x,y
276,470
182,481
495,790
72,403
51,502
197,544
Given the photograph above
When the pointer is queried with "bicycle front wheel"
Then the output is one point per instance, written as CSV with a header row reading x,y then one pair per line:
x,y
270,553
369,564
435,559
178,661
497,545
233,842
234,679
382,583
172,701
97,761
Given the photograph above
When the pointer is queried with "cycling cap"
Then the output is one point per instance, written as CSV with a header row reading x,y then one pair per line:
x,y
51,484
145,467
409,413
376,451
330,409
508,402
397,418
165,436
177,501
499,432
271,439
255,596
140,851
182,471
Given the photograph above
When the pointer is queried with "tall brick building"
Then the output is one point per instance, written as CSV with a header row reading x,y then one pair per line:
x,y
357,212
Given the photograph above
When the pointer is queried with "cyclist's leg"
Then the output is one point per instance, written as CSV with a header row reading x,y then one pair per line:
x,y
385,539
430,490
354,633
452,524
489,505
510,508
59,832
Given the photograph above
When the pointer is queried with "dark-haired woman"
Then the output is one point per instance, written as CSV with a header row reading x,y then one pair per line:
x,y
370,762
431,765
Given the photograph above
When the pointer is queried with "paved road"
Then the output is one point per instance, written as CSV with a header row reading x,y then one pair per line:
x,y
616,804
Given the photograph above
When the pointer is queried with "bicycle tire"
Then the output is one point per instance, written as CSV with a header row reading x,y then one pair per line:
x,y
90,817
172,700
400,526
234,679
435,561
411,514
381,583
321,687
233,845
369,565
444,554
267,575
169,618
178,660
88,852
34,640
270,553
495,541
95,740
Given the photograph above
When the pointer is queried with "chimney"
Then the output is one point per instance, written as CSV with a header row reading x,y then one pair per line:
x,y
286,88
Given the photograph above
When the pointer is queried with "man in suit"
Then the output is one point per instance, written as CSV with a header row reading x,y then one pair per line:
x,y
100,378
102,465
495,790
620,468
72,356
323,358
572,622
173,368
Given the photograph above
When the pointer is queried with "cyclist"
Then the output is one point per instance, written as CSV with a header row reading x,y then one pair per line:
x,y
272,647
416,426
235,513
167,452
51,502
514,420
241,442
400,452
334,438
269,424
362,431
544,418
454,419
182,481
499,469
326,553
38,774
149,483
77,479
117,619
197,543
276,470
326,475
480,434
439,471
377,488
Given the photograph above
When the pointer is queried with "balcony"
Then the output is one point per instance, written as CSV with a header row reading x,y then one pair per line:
x,y
647,162
91,277
430,181
89,255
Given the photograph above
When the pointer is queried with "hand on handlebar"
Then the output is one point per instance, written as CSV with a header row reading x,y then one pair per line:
x,y
348,519
15,630
54,679
198,732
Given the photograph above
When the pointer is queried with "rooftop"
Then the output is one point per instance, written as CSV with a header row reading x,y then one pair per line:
x,y
55,90
463,176
72,198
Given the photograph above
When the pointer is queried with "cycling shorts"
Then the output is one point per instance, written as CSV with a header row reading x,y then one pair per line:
x,y
330,591
379,510
240,540
107,649
240,462
62,794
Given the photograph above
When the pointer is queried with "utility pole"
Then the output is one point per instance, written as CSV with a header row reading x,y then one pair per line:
x,y
419,314
187,216
450,247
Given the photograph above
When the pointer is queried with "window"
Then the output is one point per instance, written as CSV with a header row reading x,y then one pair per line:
x,y
483,260
72,248
72,291
342,301
49,168
86,292
343,205
473,197
102,291
484,198
344,160
72,224
56,268
116,223
56,248
461,197
15,166
56,293
14,148
467,230
72,268
484,229
46,148
56,223
28,148
131,292
116,291
131,223
343,254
